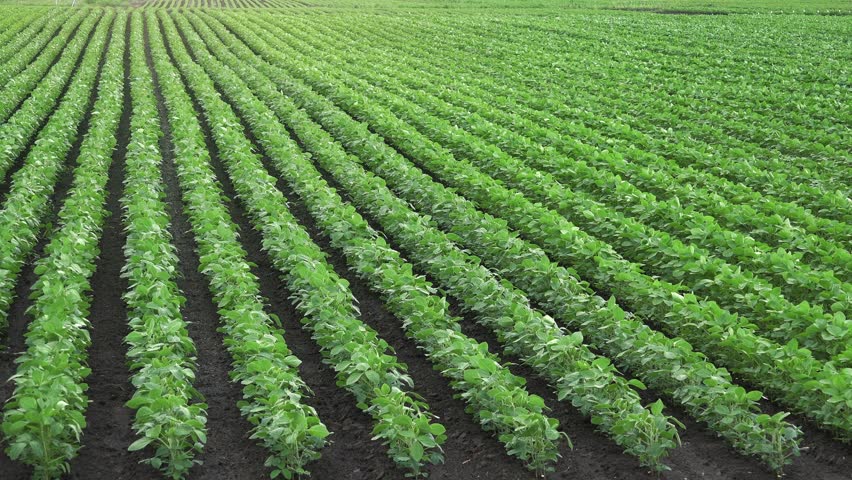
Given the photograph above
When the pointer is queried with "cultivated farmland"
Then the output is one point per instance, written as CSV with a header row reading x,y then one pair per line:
x,y
489,239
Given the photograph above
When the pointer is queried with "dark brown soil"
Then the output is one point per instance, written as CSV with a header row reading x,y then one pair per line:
x,y
14,343
702,454
103,309
351,455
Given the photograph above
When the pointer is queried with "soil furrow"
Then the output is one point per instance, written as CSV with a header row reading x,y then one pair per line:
x,y
701,454
14,342
593,457
229,452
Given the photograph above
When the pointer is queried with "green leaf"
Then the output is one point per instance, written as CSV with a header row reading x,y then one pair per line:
x,y
637,384
416,451
319,431
139,444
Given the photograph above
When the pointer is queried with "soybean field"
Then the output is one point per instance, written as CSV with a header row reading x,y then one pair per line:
x,y
378,239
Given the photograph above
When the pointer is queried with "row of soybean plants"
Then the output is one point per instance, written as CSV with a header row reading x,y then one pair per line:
x,y
649,68
44,418
169,414
497,397
796,137
560,105
17,26
23,119
364,363
497,394
487,157
24,72
262,362
718,60
286,3
657,252
209,3
530,135
770,165
504,400
564,360
836,322
512,84
349,132
831,326
35,56
760,139
779,369
28,201
808,143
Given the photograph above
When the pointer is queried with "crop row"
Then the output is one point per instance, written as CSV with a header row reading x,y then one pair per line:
x,y
44,45
655,251
16,133
44,418
224,3
787,372
684,110
8,50
692,186
13,22
499,401
28,201
663,55
506,195
548,99
531,325
658,56
365,364
16,87
544,147
675,360
16,29
169,414
343,169
262,362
